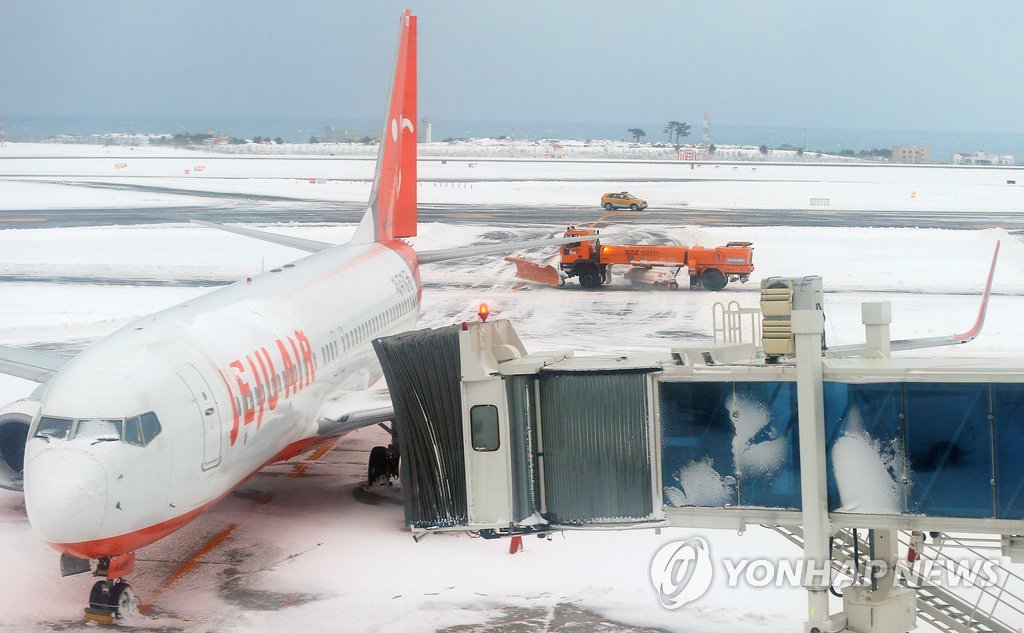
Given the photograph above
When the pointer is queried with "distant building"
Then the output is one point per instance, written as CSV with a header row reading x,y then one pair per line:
x,y
334,135
983,158
911,154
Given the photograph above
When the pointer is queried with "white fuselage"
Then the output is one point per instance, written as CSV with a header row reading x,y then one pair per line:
x,y
236,379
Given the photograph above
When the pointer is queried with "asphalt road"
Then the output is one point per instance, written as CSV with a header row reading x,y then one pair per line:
x,y
248,208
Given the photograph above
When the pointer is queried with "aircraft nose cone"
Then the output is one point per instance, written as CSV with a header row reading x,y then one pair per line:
x,y
65,495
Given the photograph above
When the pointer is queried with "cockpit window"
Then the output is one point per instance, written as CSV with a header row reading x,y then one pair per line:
x,y
133,432
150,426
57,428
141,429
99,429
138,430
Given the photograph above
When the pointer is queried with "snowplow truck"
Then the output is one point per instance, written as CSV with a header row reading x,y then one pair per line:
x,y
591,263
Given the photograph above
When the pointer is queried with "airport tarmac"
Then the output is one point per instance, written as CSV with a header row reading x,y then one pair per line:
x,y
302,546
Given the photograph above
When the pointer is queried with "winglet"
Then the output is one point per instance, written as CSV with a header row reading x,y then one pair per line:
x,y
972,333
391,212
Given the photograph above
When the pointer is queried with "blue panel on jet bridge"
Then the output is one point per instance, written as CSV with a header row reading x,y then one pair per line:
x,y
936,449
1008,422
727,444
911,448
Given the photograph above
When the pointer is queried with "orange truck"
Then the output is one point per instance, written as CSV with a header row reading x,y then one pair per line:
x,y
591,263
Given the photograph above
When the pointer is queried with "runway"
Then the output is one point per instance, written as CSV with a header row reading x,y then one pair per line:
x,y
254,208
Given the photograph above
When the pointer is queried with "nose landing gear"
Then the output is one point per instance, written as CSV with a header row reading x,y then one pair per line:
x,y
112,599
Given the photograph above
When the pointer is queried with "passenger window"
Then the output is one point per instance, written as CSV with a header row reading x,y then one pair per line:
x,y
57,428
150,426
483,424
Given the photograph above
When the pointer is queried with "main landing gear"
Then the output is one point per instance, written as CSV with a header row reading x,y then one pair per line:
x,y
384,460
112,598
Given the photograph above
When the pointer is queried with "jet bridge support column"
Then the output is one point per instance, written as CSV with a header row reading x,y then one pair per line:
x,y
807,327
876,317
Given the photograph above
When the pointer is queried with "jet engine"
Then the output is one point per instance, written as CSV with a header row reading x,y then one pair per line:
x,y
15,419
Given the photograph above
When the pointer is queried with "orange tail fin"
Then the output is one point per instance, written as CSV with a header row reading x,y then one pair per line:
x,y
392,208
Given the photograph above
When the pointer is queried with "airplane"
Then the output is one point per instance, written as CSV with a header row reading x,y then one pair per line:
x,y
151,426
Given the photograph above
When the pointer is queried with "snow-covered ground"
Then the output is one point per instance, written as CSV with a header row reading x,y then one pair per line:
x,y
525,183
302,552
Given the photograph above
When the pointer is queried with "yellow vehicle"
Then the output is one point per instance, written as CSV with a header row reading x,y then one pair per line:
x,y
622,200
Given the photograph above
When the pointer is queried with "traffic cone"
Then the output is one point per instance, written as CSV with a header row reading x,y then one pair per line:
x,y
515,545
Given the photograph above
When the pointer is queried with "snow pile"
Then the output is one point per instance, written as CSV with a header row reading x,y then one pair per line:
x,y
867,471
702,486
756,449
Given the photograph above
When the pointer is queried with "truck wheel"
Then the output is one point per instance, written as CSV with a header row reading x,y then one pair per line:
x,y
673,286
590,279
607,206
634,207
713,279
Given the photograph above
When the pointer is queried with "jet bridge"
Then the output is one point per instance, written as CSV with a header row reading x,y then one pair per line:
x,y
503,442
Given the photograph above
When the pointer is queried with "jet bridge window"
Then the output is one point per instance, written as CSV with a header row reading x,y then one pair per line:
x,y
483,421
57,428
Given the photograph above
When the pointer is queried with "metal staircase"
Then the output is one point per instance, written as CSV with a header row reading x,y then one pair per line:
x,y
969,608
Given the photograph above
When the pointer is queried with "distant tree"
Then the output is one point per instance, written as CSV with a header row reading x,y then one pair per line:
x,y
279,140
257,139
712,149
677,128
670,129
636,133
763,149
683,129
847,152
313,140
366,140
800,152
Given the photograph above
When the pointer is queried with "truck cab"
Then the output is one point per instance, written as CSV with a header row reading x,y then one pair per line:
x,y
582,259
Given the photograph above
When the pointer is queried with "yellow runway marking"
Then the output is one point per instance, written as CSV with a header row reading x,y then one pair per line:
x,y
185,568
2,219
315,457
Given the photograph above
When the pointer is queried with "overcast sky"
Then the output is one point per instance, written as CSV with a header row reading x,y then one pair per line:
x,y
894,64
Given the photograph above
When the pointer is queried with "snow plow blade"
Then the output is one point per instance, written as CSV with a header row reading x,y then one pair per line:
x,y
532,271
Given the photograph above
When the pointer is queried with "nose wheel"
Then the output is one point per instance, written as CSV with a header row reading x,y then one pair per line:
x,y
112,599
